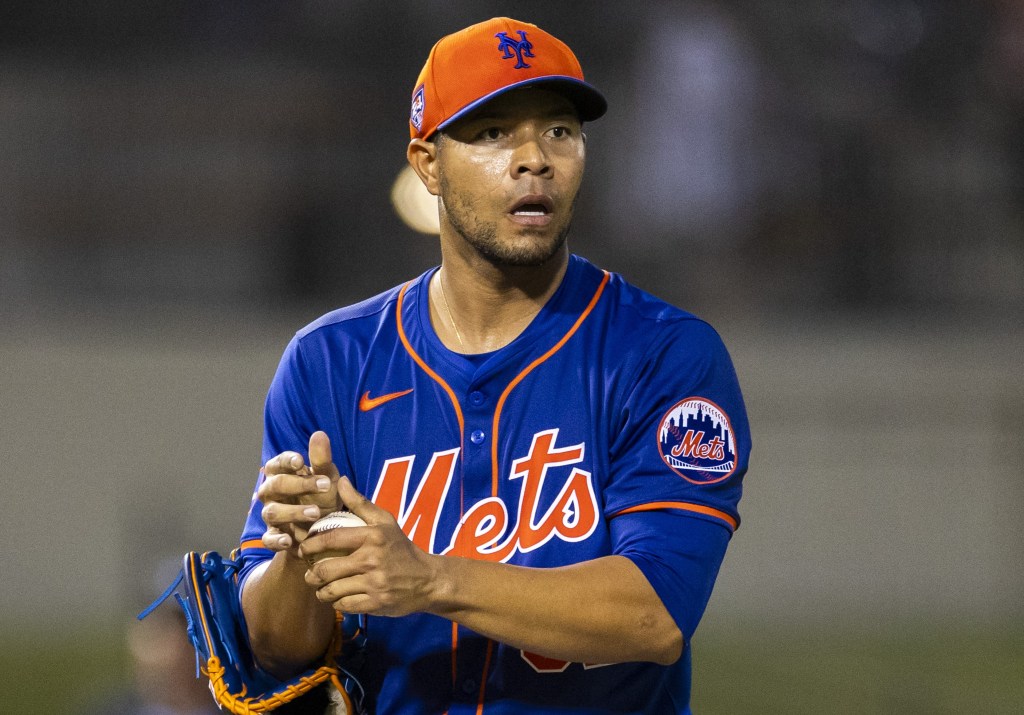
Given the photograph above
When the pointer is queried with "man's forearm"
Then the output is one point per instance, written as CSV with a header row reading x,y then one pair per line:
x,y
288,626
601,611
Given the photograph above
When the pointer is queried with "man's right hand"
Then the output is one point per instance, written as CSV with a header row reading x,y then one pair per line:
x,y
295,495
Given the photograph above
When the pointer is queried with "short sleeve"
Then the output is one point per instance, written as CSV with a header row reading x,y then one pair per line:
x,y
680,557
682,438
290,416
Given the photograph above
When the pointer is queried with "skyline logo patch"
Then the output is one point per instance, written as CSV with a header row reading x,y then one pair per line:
x,y
696,441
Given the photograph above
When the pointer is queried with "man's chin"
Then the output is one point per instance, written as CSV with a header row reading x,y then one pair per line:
x,y
521,258
525,253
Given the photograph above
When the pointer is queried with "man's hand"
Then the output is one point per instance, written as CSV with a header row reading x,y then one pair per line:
x,y
385,574
295,495
288,626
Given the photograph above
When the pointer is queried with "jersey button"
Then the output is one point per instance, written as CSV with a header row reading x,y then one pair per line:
x,y
476,398
469,686
477,436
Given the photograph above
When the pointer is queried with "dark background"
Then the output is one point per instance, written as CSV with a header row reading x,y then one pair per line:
x,y
846,156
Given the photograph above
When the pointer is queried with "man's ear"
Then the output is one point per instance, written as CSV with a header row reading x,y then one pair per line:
x,y
422,156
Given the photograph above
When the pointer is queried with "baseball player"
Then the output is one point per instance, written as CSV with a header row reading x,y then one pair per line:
x,y
548,460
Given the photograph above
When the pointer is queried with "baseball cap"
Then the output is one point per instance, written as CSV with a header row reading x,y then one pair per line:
x,y
472,66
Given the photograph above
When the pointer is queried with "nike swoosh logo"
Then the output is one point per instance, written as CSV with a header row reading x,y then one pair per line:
x,y
367,403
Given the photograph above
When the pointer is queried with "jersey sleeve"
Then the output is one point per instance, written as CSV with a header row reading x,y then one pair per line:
x,y
682,438
292,413
680,556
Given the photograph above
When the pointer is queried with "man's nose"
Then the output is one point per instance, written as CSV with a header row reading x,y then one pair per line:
x,y
529,157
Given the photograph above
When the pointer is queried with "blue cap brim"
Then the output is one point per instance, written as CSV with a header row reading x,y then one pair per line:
x,y
590,104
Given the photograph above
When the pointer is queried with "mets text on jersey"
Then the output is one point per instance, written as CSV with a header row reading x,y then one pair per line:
x,y
572,516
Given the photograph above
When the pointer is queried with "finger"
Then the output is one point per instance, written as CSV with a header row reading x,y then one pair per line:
x,y
276,540
333,589
276,487
357,604
284,463
277,514
322,466
342,540
332,568
360,505
320,455
352,595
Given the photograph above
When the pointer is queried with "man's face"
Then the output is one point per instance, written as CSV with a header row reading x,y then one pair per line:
x,y
509,174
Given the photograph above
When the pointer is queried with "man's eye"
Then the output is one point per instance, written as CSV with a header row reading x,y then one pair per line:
x,y
491,133
559,132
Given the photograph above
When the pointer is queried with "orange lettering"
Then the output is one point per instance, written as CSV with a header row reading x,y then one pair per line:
x,y
572,516
533,469
420,517
479,531
543,664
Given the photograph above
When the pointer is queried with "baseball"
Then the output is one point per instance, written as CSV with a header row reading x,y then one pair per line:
x,y
334,520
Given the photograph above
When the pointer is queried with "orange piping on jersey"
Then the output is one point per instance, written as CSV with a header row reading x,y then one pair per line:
x,y
685,506
458,415
529,368
419,361
483,678
455,645
438,379
252,544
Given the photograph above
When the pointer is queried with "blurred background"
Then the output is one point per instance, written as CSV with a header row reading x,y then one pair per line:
x,y
837,186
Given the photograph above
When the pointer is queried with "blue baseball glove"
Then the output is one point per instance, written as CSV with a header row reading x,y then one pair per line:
x,y
207,591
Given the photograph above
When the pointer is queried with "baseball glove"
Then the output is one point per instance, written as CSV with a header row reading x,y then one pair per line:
x,y
207,591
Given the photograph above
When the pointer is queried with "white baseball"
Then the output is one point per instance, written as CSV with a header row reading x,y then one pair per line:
x,y
334,520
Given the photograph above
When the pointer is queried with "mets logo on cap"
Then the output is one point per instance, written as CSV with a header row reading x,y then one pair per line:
x,y
696,441
515,48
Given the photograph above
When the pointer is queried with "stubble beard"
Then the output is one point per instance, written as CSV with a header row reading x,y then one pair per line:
x,y
483,236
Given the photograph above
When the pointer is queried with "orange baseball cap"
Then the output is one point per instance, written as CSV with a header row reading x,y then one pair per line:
x,y
474,65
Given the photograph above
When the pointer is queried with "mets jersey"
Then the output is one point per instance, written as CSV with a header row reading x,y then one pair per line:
x,y
613,424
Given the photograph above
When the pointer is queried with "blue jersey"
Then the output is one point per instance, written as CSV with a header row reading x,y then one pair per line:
x,y
613,424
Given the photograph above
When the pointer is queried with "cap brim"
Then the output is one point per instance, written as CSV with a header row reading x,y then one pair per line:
x,y
590,104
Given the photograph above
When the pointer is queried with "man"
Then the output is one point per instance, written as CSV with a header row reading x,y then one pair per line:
x,y
548,460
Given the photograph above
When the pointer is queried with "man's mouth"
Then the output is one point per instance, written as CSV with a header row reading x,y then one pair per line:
x,y
532,207
530,210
